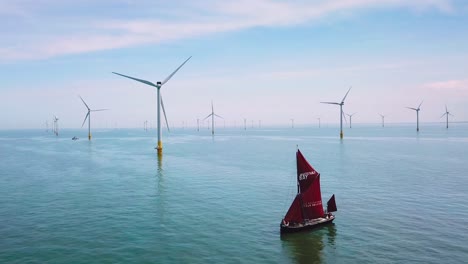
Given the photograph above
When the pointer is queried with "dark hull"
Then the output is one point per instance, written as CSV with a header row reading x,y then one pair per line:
x,y
306,226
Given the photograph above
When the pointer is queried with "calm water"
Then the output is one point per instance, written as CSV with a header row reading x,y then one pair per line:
x,y
401,197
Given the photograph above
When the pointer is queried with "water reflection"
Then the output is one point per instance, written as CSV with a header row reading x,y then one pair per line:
x,y
306,247
160,190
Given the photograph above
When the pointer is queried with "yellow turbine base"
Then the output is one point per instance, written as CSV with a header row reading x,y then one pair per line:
x,y
89,136
341,134
159,147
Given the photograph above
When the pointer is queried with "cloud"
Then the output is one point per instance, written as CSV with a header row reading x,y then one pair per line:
x,y
450,85
79,32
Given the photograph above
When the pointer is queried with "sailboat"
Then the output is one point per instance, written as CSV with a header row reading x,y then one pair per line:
x,y
306,211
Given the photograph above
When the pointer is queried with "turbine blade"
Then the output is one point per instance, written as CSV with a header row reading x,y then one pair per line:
x,y
99,110
446,109
330,103
136,79
412,108
172,74
219,116
443,115
342,101
343,114
84,102
164,112
420,104
450,114
86,117
207,117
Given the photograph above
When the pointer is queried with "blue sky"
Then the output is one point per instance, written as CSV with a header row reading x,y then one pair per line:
x,y
261,60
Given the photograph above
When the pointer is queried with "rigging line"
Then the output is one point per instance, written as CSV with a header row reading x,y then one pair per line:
x,y
292,190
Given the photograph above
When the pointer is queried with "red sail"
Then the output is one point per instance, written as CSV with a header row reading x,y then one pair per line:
x,y
331,205
294,214
312,200
306,174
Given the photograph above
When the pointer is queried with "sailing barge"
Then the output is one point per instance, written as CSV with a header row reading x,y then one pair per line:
x,y
306,211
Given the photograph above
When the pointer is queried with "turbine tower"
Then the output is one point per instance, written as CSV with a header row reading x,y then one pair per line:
x,y
88,116
212,118
292,122
319,121
417,114
245,123
198,124
56,125
341,111
447,113
350,117
160,103
383,120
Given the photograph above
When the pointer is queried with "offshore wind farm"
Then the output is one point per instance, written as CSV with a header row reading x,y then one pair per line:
x,y
230,179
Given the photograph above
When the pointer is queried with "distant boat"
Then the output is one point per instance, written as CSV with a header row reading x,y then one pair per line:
x,y
75,138
306,211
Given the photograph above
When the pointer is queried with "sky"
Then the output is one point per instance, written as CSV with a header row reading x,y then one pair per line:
x,y
258,59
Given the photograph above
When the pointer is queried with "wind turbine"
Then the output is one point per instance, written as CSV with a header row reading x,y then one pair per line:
x,y
212,118
88,116
56,125
292,122
47,126
341,111
350,117
160,103
245,123
319,121
417,114
383,120
198,124
447,113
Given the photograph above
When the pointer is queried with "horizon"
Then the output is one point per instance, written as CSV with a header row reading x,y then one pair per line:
x,y
261,65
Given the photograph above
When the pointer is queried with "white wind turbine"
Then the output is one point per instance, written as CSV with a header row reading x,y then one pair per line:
x,y
417,114
88,116
383,120
160,103
292,122
350,117
341,111
447,113
212,118
319,121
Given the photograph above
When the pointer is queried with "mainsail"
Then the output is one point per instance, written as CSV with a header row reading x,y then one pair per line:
x,y
308,201
312,200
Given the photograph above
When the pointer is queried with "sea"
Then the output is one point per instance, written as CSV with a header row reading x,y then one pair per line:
x,y
402,195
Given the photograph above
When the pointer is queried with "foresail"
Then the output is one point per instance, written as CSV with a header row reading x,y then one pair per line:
x,y
331,204
294,214
312,200
306,174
